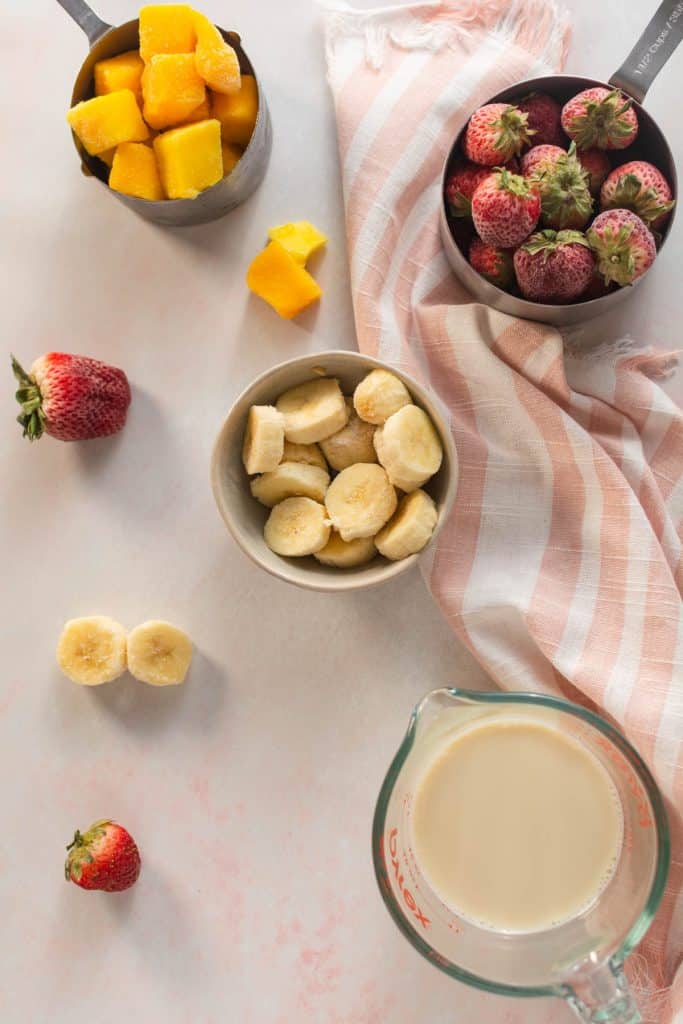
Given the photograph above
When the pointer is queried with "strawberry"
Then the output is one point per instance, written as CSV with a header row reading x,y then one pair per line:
x,y
505,209
543,114
563,186
105,857
492,263
540,158
72,398
600,117
596,163
461,185
640,187
624,247
495,133
554,266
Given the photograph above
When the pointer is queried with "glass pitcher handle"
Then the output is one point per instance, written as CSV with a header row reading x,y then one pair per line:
x,y
605,998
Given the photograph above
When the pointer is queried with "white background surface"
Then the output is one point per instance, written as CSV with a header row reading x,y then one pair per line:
x,y
250,790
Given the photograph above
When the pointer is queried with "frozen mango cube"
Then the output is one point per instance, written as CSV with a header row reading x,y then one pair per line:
x,y
300,238
232,155
200,113
171,89
135,172
105,121
121,72
237,113
216,60
189,158
166,28
277,277
108,156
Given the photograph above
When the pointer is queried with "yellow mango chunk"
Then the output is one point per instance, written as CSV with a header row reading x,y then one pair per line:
x,y
189,158
200,113
216,60
171,89
105,121
237,114
276,276
135,172
166,28
300,238
231,156
121,72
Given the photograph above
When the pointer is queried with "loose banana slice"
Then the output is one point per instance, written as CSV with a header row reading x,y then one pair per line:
x,y
92,650
351,444
290,480
360,501
344,554
313,410
308,453
410,528
264,439
159,653
409,448
379,396
297,527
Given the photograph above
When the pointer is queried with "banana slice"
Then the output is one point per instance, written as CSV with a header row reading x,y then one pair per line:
x,y
351,444
410,528
290,480
159,653
409,448
360,501
92,650
297,527
379,396
313,411
264,439
308,453
344,554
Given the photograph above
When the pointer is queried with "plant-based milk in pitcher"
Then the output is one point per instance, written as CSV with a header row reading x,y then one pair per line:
x,y
516,827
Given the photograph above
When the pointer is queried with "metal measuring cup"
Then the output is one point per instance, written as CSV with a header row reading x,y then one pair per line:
x,y
107,41
659,40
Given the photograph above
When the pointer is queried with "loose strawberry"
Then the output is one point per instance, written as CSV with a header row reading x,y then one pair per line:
x,y
543,114
554,266
596,163
624,247
495,133
105,857
72,398
563,186
600,117
492,263
505,209
540,158
640,187
461,185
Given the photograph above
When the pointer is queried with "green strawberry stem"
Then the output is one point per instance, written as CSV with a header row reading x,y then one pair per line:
x,y
600,122
513,131
630,195
31,417
614,254
548,241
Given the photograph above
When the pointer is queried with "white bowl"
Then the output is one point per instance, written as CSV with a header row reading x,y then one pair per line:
x,y
245,517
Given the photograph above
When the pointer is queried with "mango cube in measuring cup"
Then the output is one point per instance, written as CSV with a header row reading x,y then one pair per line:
x,y
216,60
300,238
104,121
276,276
231,157
166,28
134,171
200,113
237,113
171,89
121,72
189,158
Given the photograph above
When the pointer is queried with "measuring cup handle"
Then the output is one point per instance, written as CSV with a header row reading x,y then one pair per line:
x,y
605,997
652,51
84,16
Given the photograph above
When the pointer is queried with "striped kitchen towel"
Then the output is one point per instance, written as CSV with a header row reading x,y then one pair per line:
x,y
561,564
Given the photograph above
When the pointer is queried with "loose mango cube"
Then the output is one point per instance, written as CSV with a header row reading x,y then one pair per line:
x,y
276,276
166,28
121,72
189,158
200,113
237,113
216,60
300,238
105,121
231,156
171,89
135,172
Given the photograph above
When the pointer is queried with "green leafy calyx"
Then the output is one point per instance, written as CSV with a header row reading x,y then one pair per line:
x,y
614,253
513,132
629,194
601,122
549,241
31,417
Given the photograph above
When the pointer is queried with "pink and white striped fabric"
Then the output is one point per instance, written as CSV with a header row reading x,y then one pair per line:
x,y
561,567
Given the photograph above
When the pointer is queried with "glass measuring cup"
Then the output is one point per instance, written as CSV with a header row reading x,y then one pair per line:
x,y
581,960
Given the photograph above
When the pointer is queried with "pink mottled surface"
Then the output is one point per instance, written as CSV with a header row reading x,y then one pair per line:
x,y
249,790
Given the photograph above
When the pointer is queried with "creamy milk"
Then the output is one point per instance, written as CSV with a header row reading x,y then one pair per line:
x,y
516,826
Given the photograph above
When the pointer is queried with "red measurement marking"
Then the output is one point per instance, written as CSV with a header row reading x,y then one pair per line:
x,y
408,898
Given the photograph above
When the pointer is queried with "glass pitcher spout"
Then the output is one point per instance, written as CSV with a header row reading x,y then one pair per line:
x,y
605,997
